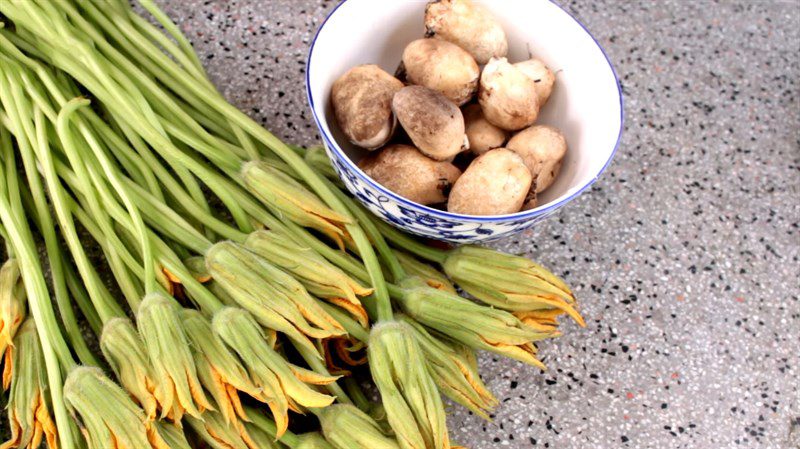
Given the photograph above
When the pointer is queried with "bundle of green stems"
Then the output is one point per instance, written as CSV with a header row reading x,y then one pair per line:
x,y
247,286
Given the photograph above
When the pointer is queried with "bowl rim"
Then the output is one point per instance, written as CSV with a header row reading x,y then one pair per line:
x,y
333,145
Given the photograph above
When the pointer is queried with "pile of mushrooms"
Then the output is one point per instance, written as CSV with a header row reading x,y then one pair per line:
x,y
455,94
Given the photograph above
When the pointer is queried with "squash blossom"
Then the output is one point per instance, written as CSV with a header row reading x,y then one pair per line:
x,y
219,370
12,311
109,419
454,369
347,427
274,298
475,325
290,200
212,428
433,277
123,349
541,320
178,390
282,385
509,282
28,415
413,406
318,276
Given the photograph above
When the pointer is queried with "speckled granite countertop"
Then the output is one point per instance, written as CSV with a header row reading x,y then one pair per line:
x,y
684,254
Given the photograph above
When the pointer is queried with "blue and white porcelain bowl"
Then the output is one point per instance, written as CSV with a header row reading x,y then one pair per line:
x,y
586,104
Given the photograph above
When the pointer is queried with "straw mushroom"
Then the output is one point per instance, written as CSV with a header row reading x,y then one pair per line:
x,y
508,96
482,135
467,25
362,105
409,173
495,183
442,66
433,122
541,75
543,149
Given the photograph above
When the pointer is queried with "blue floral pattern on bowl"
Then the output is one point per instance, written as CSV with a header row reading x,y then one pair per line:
x,y
425,221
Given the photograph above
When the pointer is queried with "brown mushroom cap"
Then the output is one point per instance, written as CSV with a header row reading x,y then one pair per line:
x,y
482,135
543,149
362,105
495,183
410,174
541,75
433,122
442,66
468,25
508,97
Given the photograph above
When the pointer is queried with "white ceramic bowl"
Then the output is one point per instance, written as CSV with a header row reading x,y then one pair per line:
x,y
586,103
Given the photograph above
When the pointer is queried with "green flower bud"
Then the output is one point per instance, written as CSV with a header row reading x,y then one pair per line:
x,y
318,276
413,406
291,200
276,299
219,370
108,417
347,427
269,371
452,367
12,309
509,282
178,389
475,325
28,415
124,351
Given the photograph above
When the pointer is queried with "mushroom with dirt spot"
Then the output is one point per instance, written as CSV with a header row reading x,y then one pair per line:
x,y
362,105
410,174
434,123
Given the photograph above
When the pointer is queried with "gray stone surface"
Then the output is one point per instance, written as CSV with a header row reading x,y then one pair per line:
x,y
685,253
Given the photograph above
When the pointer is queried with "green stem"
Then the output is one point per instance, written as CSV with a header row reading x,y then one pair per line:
x,y
62,125
82,299
27,132
54,347
57,196
357,394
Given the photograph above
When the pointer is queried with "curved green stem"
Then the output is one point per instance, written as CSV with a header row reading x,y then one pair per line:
x,y
110,172
54,347
357,394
